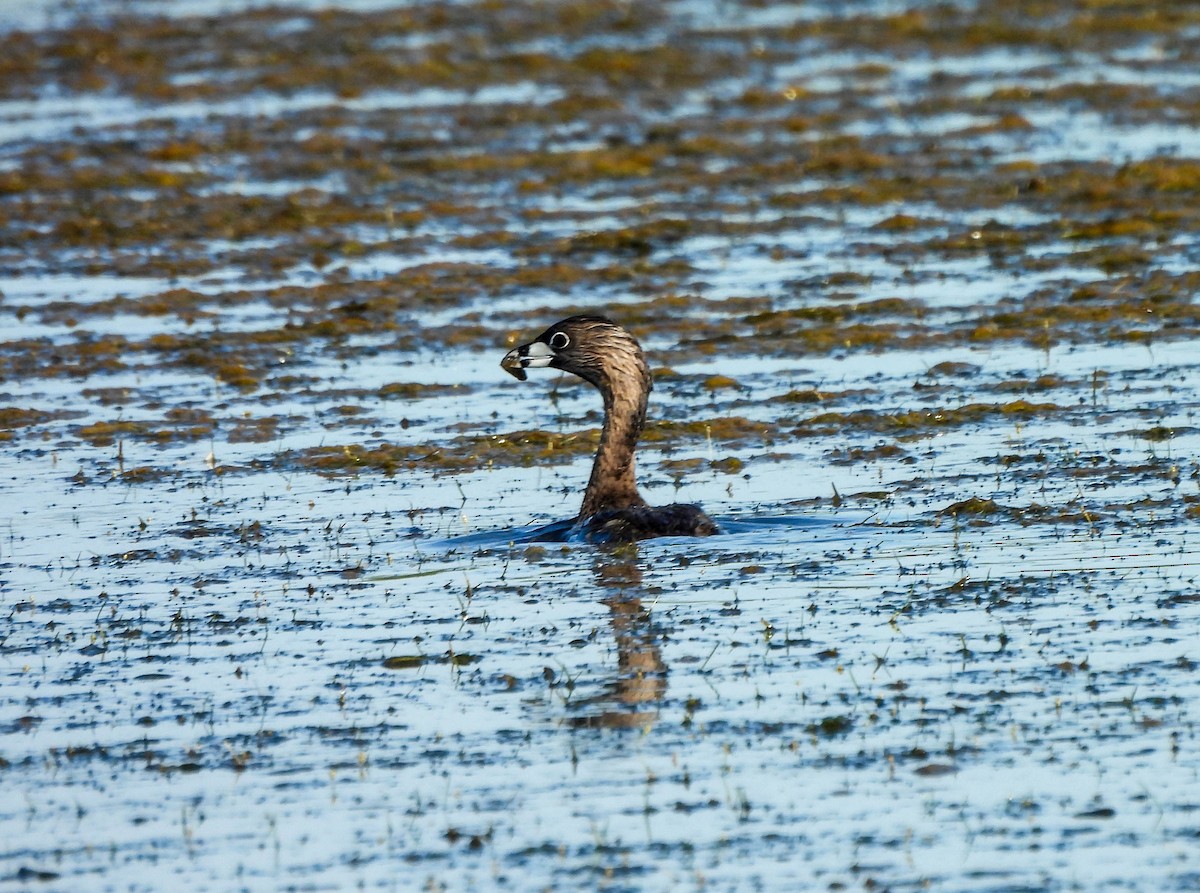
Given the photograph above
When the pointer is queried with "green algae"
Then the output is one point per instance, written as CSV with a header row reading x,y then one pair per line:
x,y
14,417
179,424
467,453
919,421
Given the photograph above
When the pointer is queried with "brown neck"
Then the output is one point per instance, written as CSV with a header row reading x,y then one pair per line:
x,y
612,484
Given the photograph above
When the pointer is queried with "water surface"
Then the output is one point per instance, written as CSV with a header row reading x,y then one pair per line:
x,y
918,284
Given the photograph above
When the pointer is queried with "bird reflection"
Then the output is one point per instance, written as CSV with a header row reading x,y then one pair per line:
x,y
632,697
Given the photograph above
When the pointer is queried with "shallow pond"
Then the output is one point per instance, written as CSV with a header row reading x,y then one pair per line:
x,y
918,284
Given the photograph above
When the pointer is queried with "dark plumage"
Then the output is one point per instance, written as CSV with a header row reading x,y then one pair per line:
x,y
605,355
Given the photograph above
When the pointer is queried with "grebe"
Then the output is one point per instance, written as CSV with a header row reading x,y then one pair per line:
x,y
605,355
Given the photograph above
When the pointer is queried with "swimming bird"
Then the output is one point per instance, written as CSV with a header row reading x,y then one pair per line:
x,y
606,356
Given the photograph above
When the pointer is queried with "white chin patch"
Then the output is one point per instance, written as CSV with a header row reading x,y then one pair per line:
x,y
537,355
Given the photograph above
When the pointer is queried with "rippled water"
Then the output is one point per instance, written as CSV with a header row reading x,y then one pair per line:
x,y
946,641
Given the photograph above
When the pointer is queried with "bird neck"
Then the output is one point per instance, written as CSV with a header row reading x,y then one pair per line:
x,y
612,484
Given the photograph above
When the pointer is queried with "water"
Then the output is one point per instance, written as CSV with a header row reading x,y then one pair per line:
x,y
278,610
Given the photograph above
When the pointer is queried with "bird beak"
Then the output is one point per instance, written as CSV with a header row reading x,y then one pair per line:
x,y
513,365
533,355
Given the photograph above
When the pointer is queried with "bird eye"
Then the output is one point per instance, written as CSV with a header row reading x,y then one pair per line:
x,y
559,340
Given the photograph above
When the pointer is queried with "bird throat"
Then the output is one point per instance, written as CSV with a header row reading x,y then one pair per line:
x,y
613,484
